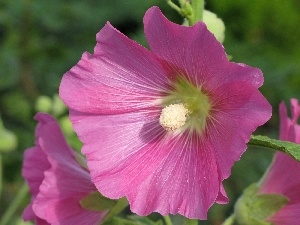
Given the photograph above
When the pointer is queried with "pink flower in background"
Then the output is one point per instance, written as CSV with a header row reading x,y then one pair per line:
x,y
56,180
283,177
163,127
289,129
34,164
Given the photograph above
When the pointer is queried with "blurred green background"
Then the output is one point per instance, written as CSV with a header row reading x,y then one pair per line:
x,y
41,40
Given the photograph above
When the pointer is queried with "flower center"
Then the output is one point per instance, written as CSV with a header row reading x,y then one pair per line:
x,y
173,116
185,104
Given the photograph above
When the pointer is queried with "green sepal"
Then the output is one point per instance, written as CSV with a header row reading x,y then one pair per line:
x,y
290,148
254,208
191,11
97,202
186,9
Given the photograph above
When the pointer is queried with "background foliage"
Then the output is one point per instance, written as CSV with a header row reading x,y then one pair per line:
x,y
41,40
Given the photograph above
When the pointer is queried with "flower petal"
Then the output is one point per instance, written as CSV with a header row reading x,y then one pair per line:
x,y
283,176
295,108
111,139
65,211
34,164
113,98
60,155
222,196
283,179
231,104
186,180
131,155
285,122
65,170
295,129
195,51
28,215
288,215
39,221
65,182
121,76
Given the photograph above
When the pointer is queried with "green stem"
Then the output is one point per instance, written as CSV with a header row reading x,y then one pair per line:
x,y
198,8
9,213
1,174
168,220
229,221
174,6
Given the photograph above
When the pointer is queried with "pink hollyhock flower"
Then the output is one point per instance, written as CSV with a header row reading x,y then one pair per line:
x,y
57,182
163,127
283,176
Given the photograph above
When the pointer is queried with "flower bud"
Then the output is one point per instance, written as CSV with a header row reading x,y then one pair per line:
x,y
8,140
214,25
255,208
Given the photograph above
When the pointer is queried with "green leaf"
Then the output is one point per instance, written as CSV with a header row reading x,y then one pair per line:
x,y
191,221
145,220
121,221
290,148
17,106
133,220
1,175
254,208
120,205
97,202
229,221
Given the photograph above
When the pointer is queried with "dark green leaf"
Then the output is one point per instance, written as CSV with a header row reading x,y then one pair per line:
x,y
290,148
97,202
